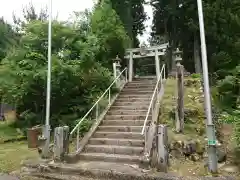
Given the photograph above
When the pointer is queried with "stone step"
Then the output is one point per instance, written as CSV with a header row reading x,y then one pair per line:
x,y
135,107
134,98
148,81
120,128
110,158
112,149
123,122
132,103
140,86
127,112
141,78
119,135
136,92
126,117
142,83
119,142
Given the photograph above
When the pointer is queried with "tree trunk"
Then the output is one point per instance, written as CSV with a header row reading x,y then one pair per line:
x,y
197,61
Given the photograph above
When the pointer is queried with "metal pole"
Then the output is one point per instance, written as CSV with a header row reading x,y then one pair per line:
x,y
208,109
47,124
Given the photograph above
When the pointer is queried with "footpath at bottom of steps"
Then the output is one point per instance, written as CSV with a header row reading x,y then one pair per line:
x,y
99,170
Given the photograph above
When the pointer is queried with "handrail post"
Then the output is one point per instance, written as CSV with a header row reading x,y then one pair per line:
x,y
78,138
126,75
145,139
96,111
164,72
109,96
152,113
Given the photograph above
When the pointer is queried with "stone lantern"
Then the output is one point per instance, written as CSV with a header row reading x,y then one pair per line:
x,y
117,60
178,57
116,66
143,50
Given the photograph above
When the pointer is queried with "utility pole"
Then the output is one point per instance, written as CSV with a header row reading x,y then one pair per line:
x,y
47,124
212,156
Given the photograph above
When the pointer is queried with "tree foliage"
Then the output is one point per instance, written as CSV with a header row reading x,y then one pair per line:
x,y
8,38
108,28
81,52
132,15
178,22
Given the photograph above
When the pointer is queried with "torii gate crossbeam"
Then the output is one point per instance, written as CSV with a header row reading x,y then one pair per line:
x,y
145,52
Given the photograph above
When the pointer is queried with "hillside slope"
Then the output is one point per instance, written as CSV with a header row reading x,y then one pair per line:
x,y
194,131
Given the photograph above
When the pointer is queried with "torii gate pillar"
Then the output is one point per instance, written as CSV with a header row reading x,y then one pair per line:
x,y
130,67
157,64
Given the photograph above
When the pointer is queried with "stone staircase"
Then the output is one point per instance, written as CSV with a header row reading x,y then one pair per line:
x,y
116,146
115,150
119,138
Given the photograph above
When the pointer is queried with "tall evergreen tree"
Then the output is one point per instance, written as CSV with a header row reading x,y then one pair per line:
x,y
178,22
7,37
132,15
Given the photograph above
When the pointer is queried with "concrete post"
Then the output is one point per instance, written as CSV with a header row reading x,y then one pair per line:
x,y
58,143
130,74
179,113
61,142
162,141
66,136
157,64
180,102
46,141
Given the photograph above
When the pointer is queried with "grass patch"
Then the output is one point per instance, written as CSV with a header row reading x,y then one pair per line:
x,y
194,126
11,155
193,103
194,118
8,132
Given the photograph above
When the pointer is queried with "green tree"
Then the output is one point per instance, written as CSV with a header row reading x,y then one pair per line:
x,y
178,22
108,28
222,23
8,38
29,14
77,79
132,15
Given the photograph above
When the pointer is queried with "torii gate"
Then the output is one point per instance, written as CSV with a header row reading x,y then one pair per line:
x,y
145,52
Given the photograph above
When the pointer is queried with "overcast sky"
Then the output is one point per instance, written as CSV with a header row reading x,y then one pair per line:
x,y
61,8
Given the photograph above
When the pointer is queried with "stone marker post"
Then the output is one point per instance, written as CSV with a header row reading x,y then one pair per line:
x,y
61,142
66,134
162,142
180,92
44,142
